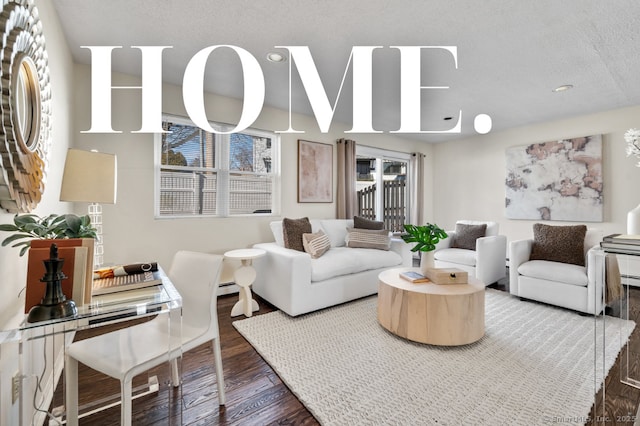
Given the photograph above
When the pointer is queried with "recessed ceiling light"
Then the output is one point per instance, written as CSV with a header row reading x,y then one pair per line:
x,y
563,88
276,57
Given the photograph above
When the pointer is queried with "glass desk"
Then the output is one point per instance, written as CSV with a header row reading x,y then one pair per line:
x,y
41,347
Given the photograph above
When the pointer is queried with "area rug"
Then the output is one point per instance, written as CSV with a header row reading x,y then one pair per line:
x,y
536,364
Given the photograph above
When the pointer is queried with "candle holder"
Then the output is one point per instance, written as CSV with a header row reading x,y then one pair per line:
x,y
54,304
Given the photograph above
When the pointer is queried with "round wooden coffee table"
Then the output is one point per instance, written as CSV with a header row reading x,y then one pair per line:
x,y
444,315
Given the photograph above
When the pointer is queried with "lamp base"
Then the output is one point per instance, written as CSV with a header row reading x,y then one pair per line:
x,y
42,312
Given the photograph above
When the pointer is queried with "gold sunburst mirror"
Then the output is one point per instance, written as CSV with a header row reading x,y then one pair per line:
x,y
25,108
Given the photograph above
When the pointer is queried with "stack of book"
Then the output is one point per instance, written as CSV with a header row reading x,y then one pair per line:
x,y
621,244
125,277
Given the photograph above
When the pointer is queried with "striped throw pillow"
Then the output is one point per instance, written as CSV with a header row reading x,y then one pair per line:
x,y
368,238
316,244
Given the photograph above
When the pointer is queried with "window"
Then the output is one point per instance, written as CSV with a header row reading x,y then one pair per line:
x,y
381,186
210,174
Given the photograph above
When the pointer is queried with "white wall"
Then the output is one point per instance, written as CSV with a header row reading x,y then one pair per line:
x,y
130,230
470,174
12,267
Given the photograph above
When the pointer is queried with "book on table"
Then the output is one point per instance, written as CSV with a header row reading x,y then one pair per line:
x,y
414,277
620,249
88,269
629,239
125,277
73,267
621,243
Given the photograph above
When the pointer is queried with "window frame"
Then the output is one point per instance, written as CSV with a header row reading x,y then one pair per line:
x,y
222,169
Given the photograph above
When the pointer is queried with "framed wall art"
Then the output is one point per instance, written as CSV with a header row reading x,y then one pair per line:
x,y
556,180
315,172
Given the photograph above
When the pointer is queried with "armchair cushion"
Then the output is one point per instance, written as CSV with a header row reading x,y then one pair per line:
x,y
466,235
455,255
564,244
292,230
554,271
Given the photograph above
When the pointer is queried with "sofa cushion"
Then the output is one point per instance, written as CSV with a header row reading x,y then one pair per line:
x,y
364,223
276,230
456,255
563,244
565,273
336,230
316,244
368,238
340,261
292,230
466,235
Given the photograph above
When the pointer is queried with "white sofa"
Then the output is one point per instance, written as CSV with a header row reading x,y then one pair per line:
x,y
561,284
296,284
487,262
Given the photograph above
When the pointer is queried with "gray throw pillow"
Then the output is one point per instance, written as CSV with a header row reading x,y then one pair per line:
x,y
292,230
563,244
364,223
466,235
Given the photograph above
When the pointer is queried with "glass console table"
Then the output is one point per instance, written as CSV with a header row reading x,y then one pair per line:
x,y
41,347
629,266
630,276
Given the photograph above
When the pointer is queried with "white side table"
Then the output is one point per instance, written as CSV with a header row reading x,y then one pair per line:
x,y
244,277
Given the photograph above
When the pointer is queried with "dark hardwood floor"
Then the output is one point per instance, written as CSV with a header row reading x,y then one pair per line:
x,y
257,396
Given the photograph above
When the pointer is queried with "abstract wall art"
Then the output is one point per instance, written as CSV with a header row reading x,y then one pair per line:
x,y
315,172
558,180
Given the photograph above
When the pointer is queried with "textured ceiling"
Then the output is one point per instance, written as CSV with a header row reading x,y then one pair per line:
x,y
511,54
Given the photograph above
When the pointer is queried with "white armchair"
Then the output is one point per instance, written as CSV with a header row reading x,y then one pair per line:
x,y
562,284
487,262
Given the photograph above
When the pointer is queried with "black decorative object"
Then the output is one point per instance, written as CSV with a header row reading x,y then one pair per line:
x,y
54,304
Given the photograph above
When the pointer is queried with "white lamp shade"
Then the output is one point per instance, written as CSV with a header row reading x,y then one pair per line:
x,y
89,177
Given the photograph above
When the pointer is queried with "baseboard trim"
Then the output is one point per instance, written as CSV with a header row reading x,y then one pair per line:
x,y
228,288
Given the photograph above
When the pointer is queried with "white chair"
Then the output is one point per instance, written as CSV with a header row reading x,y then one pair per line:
x,y
561,284
487,262
125,353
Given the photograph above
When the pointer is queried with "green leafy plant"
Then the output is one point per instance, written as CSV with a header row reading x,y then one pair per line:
x,y
27,227
425,236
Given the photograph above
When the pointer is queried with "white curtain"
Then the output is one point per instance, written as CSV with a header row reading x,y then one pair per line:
x,y
416,165
346,203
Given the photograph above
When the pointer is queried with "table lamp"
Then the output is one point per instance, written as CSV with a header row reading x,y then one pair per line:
x,y
91,177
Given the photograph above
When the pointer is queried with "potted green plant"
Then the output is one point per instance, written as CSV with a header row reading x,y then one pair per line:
x,y
425,238
28,227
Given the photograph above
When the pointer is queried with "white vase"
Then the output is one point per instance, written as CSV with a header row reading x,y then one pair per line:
x,y
633,221
426,261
